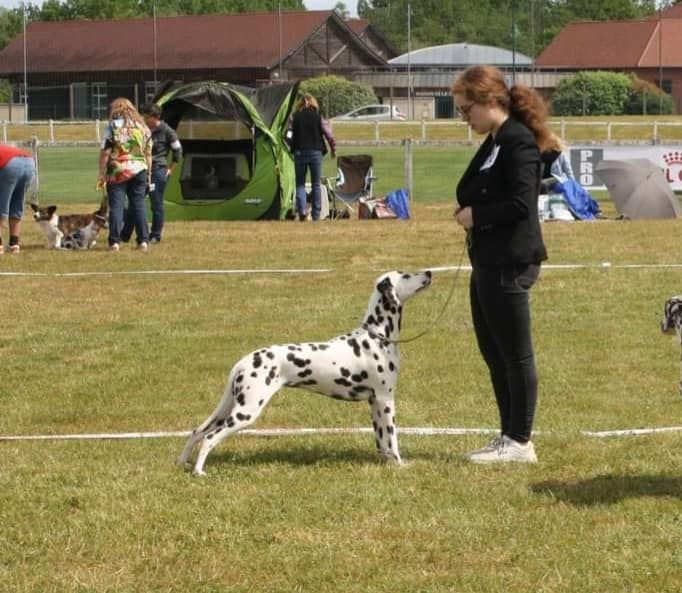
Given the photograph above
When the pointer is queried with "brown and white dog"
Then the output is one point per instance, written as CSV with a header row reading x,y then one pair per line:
x,y
71,231
672,321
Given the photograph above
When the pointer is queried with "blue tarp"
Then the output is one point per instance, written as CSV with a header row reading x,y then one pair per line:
x,y
579,201
399,202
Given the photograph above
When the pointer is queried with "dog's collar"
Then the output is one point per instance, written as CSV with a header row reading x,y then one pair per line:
x,y
375,334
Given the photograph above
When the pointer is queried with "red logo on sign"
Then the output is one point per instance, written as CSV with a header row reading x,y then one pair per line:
x,y
673,166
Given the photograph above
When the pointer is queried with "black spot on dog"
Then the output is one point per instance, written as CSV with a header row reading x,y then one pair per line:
x,y
220,422
239,378
254,374
390,429
345,372
359,377
257,360
391,366
241,399
270,354
305,373
299,362
353,343
380,369
242,417
323,346
343,382
365,344
387,410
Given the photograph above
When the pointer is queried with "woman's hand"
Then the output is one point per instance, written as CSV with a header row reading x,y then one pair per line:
x,y
464,217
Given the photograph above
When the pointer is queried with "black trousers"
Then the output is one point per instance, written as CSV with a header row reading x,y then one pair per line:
x,y
501,316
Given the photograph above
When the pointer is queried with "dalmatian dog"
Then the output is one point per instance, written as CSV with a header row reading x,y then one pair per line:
x,y
672,321
359,366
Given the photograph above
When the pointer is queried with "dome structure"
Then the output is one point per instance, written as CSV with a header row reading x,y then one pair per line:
x,y
462,55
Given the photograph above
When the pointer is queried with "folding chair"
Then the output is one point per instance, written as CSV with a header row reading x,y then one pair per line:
x,y
355,180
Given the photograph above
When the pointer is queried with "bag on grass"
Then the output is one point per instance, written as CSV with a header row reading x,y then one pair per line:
x,y
374,208
399,202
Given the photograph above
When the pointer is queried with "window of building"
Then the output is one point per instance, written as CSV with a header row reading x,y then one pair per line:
x,y
99,100
666,85
150,87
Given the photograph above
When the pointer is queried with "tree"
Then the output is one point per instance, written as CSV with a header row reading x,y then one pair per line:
x,y
337,95
593,93
342,10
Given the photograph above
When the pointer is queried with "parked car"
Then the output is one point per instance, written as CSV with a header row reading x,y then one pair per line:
x,y
373,113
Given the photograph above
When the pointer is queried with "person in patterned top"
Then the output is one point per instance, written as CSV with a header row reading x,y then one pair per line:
x,y
125,166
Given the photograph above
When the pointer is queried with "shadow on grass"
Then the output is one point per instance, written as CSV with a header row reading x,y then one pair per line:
x,y
610,489
308,455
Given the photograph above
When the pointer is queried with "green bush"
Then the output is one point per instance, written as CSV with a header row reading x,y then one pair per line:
x,y
647,99
4,91
593,93
338,95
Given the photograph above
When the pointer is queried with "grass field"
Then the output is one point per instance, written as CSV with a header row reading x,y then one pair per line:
x,y
121,352
68,175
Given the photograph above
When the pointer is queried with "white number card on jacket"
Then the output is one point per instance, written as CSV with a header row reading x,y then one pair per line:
x,y
490,161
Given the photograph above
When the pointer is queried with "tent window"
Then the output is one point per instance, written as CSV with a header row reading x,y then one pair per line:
x,y
215,169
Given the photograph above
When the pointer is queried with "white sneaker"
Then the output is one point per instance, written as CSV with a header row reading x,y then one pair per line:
x,y
507,450
491,446
114,247
144,246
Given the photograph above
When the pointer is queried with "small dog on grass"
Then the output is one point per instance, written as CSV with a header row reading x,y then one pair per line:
x,y
359,366
71,231
672,321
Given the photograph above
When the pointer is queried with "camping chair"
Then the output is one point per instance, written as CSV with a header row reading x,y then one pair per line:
x,y
355,180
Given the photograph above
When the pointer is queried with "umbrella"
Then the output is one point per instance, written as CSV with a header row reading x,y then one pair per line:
x,y
638,188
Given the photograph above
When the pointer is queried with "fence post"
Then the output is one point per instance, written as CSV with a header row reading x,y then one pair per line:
x,y
50,123
376,132
407,142
4,132
656,139
470,134
423,130
98,132
563,129
608,132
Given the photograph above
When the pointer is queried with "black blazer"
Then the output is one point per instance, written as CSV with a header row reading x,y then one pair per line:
x,y
501,185
306,128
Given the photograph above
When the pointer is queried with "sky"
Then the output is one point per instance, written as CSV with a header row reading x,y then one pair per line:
x,y
310,4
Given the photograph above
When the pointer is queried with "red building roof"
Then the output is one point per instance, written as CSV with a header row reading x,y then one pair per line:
x,y
616,44
249,40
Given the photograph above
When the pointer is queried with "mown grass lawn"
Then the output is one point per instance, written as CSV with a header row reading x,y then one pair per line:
x,y
122,352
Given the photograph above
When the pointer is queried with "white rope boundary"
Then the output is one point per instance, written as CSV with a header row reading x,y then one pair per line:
x,y
466,268
275,432
168,272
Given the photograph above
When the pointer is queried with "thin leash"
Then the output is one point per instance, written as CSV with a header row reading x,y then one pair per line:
x,y
436,320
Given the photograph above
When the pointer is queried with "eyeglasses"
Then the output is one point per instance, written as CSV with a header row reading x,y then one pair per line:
x,y
465,110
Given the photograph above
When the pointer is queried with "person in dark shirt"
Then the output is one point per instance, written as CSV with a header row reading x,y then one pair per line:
x,y
497,200
164,140
309,132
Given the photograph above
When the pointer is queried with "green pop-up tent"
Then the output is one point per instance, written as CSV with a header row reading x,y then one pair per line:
x,y
235,165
